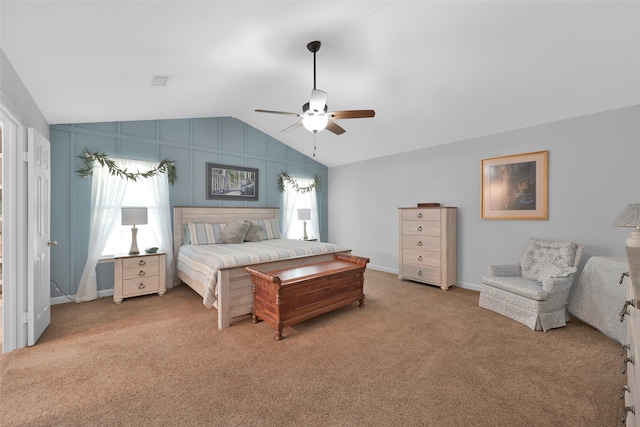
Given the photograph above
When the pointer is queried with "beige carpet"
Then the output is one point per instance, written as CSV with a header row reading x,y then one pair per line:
x,y
414,356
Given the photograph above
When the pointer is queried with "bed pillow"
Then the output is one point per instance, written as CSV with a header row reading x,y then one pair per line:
x,y
255,233
202,234
234,232
271,228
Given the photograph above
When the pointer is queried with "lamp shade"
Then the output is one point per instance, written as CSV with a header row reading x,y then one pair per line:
x,y
629,217
304,214
134,216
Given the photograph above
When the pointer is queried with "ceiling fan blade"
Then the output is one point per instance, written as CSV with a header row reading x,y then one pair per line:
x,y
318,101
292,127
278,112
352,114
335,128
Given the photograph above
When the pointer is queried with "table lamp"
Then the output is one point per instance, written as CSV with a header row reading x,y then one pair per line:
x,y
630,217
304,215
134,216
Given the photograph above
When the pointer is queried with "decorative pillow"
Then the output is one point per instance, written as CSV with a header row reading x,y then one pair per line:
x,y
234,232
544,257
271,228
202,234
255,233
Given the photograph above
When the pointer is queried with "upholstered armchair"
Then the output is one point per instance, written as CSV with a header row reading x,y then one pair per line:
x,y
535,291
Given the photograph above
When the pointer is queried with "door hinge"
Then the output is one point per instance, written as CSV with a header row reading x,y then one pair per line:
x,y
25,156
25,317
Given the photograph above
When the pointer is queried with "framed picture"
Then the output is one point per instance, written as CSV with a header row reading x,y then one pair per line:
x,y
515,187
231,182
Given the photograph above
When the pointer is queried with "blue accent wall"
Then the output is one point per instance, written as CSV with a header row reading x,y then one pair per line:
x,y
191,143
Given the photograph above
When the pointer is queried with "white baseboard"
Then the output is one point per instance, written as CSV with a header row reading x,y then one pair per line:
x,y
463,285
72,298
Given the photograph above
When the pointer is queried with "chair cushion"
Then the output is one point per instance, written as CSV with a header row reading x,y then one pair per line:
x,y
543,259
517,285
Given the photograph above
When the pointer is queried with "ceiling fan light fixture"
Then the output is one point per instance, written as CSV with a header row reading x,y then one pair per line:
x,y
314,123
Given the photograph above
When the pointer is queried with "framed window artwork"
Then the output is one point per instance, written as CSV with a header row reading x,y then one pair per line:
x,y
515,187
231,182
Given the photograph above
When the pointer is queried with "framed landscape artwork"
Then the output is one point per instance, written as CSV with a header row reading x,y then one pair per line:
x,y
231,182
515,187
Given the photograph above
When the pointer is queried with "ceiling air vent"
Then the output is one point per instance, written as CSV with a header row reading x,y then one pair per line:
x,y
159,80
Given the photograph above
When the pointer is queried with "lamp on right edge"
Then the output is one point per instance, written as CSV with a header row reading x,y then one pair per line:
x,y
304,215
630,217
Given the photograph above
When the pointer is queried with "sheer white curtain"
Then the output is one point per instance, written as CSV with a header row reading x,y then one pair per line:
x,y
293,200
107,195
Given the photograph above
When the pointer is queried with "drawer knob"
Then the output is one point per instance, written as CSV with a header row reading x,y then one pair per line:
x,y
625,389
420,273
420,243
420,258
623,417
420,228
141,262
419,214
141,286
624,311
624,348
629,359
142,273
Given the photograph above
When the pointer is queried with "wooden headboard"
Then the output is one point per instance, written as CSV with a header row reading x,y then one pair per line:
x,y
185,214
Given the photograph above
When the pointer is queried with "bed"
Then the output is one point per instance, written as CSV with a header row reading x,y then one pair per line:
x,y
217,271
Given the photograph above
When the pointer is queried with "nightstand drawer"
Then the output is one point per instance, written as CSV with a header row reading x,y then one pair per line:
x,y
144,285
138,267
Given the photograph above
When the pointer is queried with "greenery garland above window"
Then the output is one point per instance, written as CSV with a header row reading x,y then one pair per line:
x,y
89,157
284,177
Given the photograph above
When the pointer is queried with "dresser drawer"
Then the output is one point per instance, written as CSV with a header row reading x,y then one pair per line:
x,y
138,267
421,258
420,214
421,228
421,274
144,285
421,243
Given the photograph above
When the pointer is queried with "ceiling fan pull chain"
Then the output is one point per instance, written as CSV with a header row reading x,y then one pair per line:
x,y
314,144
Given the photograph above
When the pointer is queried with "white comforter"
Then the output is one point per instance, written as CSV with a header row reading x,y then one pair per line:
x,y
201,262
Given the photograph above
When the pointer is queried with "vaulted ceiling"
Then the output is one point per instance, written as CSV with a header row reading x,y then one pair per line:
x,y
435,72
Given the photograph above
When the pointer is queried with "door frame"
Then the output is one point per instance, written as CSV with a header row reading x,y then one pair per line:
x,y
14,289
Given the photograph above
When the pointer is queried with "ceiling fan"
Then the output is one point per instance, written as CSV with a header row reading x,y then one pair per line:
x,y
315,115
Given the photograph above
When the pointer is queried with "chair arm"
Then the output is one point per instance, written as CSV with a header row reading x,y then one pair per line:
x,y
558,284
505,270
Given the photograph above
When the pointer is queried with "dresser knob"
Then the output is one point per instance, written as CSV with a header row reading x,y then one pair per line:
x,y
420,273
420,228
142,273
419,214
624,348
624,309
624,390
141,262
629,359
420,258
626,410
141,286
420,243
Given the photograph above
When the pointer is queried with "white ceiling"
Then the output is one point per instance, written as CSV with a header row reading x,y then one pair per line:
x,y
434,71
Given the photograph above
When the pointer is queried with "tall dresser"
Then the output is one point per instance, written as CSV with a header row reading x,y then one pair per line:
x,y
427,247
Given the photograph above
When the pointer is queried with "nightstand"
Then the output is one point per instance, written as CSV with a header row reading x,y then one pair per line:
x,y
139,275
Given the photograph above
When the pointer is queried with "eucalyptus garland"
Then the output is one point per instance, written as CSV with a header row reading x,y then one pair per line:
x,y
284,177
88,158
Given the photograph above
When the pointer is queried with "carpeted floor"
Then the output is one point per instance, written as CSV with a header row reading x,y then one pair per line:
x,y
414,356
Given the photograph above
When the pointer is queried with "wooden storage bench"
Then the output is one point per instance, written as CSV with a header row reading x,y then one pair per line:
x,y
292,295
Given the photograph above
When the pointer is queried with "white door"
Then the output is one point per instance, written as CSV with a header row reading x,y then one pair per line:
x,y
39,235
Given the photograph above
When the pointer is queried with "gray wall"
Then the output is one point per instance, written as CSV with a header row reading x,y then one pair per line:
x,y
593,174
191,143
